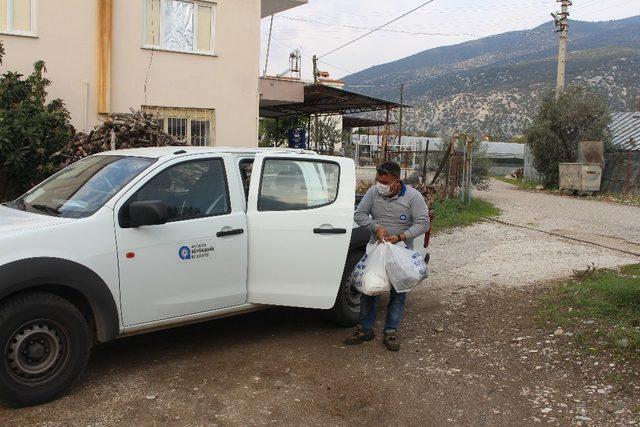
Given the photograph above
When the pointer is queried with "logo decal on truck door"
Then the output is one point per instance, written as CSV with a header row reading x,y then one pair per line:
x,y
196,251
184,253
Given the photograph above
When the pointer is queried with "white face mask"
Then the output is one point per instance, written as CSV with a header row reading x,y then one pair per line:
x,y
383,189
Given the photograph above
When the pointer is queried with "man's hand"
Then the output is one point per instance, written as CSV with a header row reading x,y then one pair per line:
x,y
395,239
381,234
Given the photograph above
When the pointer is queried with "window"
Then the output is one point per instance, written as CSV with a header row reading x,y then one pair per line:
x,y
81,189
17,17
180,25
194,189
246,167
193,126
199,133
297,184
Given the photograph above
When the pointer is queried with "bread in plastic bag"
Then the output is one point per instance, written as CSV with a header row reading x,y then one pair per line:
x,y
405,268
370,276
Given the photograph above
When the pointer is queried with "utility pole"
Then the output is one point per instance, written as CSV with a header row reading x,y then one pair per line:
x,y
562,25
315,69
315,82
266,61
400,121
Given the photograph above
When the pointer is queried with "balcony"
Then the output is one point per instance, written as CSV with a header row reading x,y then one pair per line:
x,y
271,7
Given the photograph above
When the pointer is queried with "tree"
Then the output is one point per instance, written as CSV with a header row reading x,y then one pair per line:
x,y
328,134
580,114
276,131
31,130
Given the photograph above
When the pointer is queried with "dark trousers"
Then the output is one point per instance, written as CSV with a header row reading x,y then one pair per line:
x,y
395,309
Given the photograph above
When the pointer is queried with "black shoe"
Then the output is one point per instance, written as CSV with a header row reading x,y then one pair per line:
x,y
359,336
391,341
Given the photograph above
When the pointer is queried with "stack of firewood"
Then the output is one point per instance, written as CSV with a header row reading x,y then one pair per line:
x,y
130,130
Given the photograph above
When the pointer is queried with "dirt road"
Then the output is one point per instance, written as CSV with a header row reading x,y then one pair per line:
x,y
492,254
472,351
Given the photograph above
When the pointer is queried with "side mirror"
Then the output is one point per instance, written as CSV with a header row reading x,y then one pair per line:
x,y
148,212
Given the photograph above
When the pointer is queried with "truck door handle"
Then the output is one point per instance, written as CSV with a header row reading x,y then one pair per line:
x,y
230,232
329,231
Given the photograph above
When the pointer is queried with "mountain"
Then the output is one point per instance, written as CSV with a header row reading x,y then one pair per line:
x,y
495,84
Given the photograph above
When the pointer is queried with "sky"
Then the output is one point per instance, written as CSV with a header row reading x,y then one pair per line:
x,y
323,25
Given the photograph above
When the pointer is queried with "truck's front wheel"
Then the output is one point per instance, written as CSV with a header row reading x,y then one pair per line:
x,y
46,344
346,309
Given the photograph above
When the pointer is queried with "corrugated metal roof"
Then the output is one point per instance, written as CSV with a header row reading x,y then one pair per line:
x,y
626,130
494,150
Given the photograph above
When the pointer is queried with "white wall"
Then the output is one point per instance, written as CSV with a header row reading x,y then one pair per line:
x,y
228,82
66,41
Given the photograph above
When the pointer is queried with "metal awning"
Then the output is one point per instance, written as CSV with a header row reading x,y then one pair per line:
x,y
359,122
326,100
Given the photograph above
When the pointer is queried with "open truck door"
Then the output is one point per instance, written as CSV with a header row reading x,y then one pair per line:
x,y
299,219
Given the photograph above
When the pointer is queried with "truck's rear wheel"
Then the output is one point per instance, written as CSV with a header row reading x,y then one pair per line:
x,y
46,344
346,309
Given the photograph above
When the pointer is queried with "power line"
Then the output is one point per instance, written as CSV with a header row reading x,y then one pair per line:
x,y
355,27
377,28
607,8
337,68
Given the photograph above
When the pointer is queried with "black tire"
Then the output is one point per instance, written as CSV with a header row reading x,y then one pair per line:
x,y
346,310
45,343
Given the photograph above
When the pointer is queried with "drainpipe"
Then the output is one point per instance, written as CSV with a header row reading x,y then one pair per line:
x,y
105,29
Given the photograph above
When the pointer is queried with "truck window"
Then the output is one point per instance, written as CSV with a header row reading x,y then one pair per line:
x,y
191,190
297,184
246,167
81,189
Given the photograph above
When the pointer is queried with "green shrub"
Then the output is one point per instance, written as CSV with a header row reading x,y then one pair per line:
x,y
580,114
31,130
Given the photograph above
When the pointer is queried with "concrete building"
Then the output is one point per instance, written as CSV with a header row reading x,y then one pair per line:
x,y
195,63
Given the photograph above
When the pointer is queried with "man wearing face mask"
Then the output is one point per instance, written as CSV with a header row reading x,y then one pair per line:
x,y
393,212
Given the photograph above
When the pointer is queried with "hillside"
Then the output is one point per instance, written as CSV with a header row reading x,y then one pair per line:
x,y
494,84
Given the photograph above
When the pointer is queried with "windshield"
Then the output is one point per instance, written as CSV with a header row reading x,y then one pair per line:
x,y
79,190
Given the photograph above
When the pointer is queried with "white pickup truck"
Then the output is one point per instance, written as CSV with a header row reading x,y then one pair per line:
x,y
131,241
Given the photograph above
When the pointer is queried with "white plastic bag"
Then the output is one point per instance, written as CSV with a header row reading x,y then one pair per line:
x,y
358,271
405,268
370,276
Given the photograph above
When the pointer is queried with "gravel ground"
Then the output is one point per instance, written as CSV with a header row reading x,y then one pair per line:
x,y
558,213
472,352
492,254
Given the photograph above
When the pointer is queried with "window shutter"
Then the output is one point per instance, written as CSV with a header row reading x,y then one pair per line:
x,y
205,14
152,24
3,15
22,15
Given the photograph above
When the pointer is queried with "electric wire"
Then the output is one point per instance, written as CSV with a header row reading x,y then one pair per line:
x,y
305,54
588,4
608,8
389,30
376,29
